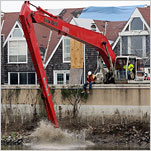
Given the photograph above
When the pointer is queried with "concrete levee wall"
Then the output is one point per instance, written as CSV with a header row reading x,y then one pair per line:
x,y
23,103
115,95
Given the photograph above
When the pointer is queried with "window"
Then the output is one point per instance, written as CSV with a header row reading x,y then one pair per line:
x,y
17,51
136,45
17,32
66,49
2,38
17,47
13,78
140,65
145,28
120,62
61,76
67,78
127,29
32,78
124,45
147,46
22,78
136,24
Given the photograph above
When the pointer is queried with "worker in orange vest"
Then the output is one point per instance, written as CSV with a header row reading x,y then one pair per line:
x,y
90,80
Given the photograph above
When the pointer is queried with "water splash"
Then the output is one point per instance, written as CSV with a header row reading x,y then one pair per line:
x,y
48,137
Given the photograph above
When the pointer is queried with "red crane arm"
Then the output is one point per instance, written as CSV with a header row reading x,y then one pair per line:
x,y
28,28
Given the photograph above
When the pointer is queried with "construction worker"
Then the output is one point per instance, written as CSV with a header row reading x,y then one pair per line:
x,y
90,80
130,70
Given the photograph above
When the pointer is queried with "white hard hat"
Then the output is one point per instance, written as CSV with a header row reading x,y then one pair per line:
x,y
89,73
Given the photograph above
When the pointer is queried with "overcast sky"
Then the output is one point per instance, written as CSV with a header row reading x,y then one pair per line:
x,y
15,6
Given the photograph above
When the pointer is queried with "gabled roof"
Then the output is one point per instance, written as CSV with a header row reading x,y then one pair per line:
x,y
52,44
100,24
42,33
112,28
145,13
9,21
2,22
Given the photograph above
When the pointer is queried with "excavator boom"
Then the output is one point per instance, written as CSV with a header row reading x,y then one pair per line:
x,y
28,28
97,40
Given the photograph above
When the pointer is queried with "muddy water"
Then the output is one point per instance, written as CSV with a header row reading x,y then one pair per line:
x,y
95,147
46,137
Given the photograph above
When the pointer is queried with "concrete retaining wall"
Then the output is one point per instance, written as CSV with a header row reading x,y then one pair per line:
x,y
22,104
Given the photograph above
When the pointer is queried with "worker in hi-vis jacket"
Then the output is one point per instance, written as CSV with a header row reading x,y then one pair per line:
x,y
130,70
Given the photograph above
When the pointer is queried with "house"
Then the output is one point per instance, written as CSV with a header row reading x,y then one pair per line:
x,y
135,36
55,49
17,66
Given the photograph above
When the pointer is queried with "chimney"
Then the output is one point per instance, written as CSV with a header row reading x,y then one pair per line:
x,y
106,24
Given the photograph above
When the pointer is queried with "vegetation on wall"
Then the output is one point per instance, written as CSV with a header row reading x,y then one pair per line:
x,y
52,90
18,90
74,97
11,93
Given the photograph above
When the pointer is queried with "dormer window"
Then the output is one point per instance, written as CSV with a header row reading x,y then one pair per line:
x,y
17,32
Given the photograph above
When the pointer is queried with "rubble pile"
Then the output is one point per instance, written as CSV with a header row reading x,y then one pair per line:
x,y
137,133
13,139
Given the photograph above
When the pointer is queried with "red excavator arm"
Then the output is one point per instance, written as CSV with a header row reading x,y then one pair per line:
x,y
26,20
97,40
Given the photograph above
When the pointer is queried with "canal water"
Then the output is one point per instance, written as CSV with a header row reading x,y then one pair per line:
x,y
46,137
94,147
